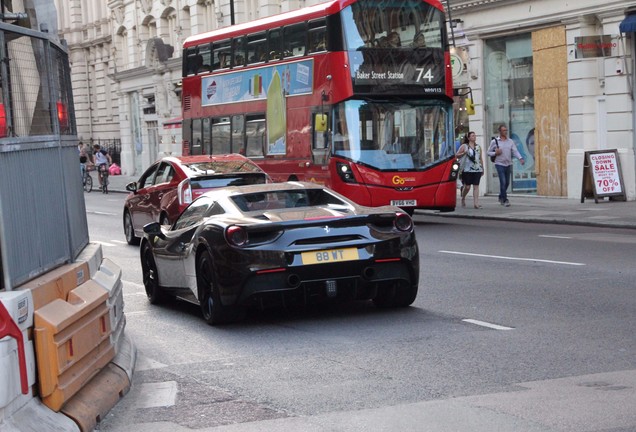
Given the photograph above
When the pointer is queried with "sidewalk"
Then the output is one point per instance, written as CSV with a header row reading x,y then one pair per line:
x,y
524,208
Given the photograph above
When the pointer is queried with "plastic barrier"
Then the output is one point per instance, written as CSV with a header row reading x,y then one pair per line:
x,y
8,328
17,365
72,342
84,362
109,277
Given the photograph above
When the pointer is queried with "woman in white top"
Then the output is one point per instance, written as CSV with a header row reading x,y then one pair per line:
x,y
473,167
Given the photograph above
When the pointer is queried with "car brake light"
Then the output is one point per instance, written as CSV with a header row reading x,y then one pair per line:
x,y
403,222
236,235
184,192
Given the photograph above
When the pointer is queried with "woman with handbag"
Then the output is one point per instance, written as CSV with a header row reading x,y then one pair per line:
x,y
473,167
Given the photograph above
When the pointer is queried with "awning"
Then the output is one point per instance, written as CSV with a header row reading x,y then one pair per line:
x,y
629,24
173,123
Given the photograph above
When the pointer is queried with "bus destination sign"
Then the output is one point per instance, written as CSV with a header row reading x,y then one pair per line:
x,y
390,71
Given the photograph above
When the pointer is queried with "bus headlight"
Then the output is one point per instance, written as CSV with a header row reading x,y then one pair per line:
x,y
345,172
454,170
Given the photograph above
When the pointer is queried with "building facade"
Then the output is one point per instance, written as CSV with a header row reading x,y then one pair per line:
x,y
560,74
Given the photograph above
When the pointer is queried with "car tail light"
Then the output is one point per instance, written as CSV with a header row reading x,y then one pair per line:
x,y
236,235
403,222
184,192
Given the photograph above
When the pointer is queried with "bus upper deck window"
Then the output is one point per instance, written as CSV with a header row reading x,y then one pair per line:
x,y
317,36
294,40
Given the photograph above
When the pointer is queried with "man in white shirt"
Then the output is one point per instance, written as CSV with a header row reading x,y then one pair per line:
x,y
504,148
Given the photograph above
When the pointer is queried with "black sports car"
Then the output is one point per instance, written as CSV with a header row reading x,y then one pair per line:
x,y
280,244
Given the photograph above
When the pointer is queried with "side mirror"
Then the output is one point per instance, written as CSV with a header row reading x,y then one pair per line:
x,y
131,187
154,229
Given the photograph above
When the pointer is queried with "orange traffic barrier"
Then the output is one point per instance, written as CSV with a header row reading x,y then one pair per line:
x,y
72,340
91,404
57,283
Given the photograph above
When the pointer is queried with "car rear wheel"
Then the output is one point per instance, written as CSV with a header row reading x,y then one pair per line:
x,y
129,230
405,295
385,297
213,311
400,294
150,276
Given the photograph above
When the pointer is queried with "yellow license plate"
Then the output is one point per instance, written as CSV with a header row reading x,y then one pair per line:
x,y
330,256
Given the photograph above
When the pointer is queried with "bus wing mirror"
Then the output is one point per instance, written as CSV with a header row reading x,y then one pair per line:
x,y
320,122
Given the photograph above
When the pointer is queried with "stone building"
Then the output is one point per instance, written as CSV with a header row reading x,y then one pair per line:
x,y
559,73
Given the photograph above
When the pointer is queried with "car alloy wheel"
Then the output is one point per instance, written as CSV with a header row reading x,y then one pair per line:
x,y
129,230
213,311
150,277
208,295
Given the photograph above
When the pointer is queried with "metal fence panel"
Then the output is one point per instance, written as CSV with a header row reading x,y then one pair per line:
x,y
42,211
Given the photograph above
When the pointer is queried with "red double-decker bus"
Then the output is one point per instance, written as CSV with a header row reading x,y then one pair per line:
x,y
353,94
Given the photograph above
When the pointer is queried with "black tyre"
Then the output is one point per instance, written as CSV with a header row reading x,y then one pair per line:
x,y
150,276
213,311
88,183
405,295
129,230
385,297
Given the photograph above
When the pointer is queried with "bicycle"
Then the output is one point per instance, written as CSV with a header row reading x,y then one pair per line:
x,y
103,175
87,180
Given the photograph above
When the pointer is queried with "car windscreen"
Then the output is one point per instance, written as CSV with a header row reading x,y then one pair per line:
x,y
284,199
217,181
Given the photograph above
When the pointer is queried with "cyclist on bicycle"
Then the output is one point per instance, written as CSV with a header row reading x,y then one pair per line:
x,y
83,158
101,160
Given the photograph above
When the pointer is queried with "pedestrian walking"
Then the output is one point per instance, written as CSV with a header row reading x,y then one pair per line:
x,y
472,168
503,149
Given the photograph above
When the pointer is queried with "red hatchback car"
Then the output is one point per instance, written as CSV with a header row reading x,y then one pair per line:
x,y
172,183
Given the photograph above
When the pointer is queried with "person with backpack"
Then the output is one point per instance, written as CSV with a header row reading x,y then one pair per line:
x,y
503,149
472,167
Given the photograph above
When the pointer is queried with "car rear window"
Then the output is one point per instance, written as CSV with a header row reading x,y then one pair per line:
x,y
218,181
285,199
223,167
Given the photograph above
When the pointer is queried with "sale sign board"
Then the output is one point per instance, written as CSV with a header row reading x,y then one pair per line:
x,y
602,174
605,172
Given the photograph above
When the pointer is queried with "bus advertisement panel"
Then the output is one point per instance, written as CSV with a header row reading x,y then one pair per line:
x,y
352,94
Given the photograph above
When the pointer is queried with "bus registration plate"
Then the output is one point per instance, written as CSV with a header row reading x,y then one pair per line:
x,y
404,203
330,256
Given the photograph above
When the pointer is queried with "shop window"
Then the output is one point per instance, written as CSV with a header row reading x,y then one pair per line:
x,y
509,100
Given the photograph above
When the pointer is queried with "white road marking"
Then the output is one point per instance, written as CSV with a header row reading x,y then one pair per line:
x,y
513,259
135,313
555,236
119,241
486,324
146,363
104,243
102,213
136,285
161,394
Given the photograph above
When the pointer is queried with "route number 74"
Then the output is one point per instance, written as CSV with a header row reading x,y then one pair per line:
x,y
424,75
